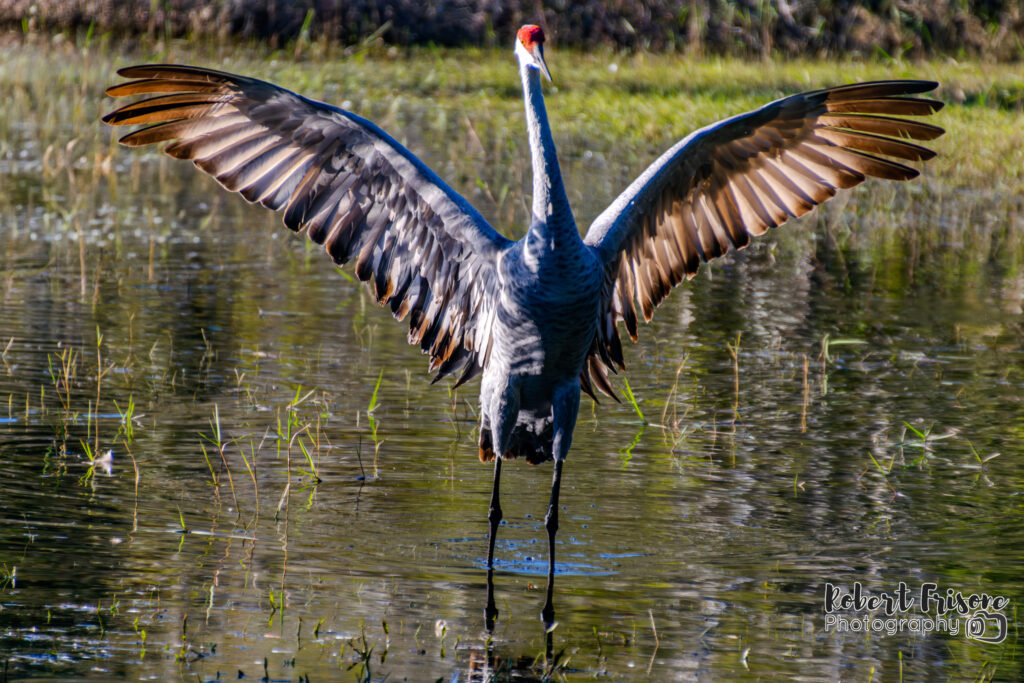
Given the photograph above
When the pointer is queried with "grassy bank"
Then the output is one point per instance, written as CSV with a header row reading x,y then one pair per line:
x,y
602,102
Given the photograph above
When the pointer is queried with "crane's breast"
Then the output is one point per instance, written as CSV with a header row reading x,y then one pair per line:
x,y
546,315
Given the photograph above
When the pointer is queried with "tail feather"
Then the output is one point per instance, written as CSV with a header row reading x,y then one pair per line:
x,y
526,443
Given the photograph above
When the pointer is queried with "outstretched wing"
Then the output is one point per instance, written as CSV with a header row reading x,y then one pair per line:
x,y
353,188
736,179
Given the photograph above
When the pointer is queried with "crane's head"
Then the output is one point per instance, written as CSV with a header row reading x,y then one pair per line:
x,y
530,48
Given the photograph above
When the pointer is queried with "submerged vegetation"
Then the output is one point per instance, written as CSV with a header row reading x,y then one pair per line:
x,y
207,427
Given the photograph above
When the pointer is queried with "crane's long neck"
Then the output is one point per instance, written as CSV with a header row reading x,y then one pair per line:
x,y
551,211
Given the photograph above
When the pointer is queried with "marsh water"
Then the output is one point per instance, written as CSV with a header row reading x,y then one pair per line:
x,y
219,459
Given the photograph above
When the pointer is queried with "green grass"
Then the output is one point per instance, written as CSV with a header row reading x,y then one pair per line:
x,y
604,99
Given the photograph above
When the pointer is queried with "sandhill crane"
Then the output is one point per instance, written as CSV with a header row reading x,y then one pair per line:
x,y
537,318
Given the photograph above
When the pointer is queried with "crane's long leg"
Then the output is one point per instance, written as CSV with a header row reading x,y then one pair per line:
x,y
494,517
564,407
494,513
547,615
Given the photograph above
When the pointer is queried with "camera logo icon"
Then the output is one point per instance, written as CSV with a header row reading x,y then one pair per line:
x,y
986,627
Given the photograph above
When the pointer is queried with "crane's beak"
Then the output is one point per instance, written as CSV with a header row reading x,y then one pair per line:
x,y
538,59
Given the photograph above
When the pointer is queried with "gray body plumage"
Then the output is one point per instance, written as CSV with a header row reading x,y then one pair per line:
x,y
546,318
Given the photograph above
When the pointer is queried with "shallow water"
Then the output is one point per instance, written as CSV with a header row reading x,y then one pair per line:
x,y
816,410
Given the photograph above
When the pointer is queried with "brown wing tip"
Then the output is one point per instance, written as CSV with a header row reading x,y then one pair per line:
x,y
918,86
171,70
170,78
132,139
888,88
148,70
895,92
132,71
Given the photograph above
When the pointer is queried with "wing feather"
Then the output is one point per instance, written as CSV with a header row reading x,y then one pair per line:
x,y
738,178
343,180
